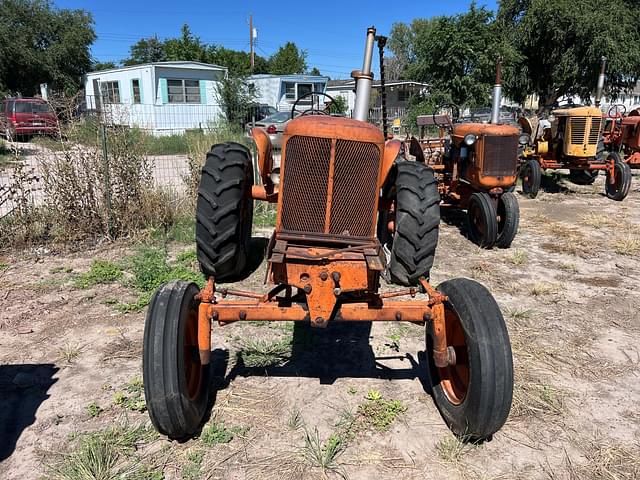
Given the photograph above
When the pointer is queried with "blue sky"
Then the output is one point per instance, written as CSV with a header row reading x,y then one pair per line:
x,y
332,31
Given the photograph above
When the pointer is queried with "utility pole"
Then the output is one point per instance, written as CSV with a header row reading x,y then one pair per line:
x,y
251,40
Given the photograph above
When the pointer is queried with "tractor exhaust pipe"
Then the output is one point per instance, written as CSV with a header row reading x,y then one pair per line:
x,y
497,93
364,79
600,87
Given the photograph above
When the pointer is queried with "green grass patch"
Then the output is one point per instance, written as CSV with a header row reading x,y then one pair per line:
x,y
216,433
101,271
61,269
150,268
105,454
192,469
263,353
131,396
94,410
4,266
378,412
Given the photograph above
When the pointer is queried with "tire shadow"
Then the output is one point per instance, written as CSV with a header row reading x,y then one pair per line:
x,y
24,388
456,217
257,253
342,350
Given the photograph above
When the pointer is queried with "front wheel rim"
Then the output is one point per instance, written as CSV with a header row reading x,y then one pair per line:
x,y
454,379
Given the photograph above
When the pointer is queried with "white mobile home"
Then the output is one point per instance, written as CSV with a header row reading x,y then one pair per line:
x,y
162,97
281,91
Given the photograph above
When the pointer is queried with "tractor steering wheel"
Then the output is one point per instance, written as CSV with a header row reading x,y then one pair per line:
x,y
618,109
312,110
455,114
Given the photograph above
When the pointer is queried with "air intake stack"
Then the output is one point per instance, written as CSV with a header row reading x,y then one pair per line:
x,y
497,93
364,79
600,87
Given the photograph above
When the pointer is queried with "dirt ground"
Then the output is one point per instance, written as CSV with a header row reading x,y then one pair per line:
x,y
568,288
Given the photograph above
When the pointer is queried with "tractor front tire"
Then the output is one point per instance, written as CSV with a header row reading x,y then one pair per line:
x,y
417,219
619,189
483,221
531,178
583,177
224,212
473,395
508,219
176,384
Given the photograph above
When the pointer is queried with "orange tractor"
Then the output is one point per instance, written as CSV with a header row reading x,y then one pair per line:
x,y
621,135
476,169
570,139
324,265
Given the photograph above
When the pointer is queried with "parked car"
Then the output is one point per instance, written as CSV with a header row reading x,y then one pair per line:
x,y
24,117
257,112
274,126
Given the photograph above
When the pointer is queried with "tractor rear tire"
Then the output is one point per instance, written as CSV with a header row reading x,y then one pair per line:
x,y
474,395
583,177
224,212
417,219
176,384
622,179
483,221
531,178
508,219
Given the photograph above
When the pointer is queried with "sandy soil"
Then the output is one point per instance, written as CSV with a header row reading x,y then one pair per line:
x,y
568,288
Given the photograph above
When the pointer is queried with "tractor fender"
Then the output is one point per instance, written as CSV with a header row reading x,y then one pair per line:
x,y
391,150
265,157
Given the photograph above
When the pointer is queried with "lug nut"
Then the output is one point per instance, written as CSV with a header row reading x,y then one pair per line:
x,y
307,288
335,276
324,276
337,291
319,319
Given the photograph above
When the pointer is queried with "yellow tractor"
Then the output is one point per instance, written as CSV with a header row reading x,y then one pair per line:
x,y
571,139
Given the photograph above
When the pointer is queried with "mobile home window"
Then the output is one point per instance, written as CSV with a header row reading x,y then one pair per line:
x,y
183,91
403,95
290,90
110,92
135,85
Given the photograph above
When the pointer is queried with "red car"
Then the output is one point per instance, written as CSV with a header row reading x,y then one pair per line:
x,y
24,117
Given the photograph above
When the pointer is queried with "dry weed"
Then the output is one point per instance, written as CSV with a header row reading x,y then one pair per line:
x,y
630,246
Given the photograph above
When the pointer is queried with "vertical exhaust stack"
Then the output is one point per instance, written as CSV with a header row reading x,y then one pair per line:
x,y
600,87
364,79
497,93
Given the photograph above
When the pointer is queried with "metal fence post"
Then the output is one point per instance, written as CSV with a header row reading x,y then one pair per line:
x,y
107,179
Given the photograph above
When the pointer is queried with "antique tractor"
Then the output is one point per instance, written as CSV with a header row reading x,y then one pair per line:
x,y
569,140
621,135
325,264
476,169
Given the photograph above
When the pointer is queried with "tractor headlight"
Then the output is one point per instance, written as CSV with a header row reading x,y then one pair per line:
x,y
470,139
275,176
523,139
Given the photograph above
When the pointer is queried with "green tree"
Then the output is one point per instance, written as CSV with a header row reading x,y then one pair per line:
x,y
146,50
97,66
235,96
339,105
455,55
187,47
314,71
41,44
287,60
237,61
560,43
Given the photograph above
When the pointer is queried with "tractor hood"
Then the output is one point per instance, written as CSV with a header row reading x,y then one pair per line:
x,y
578,112
462,129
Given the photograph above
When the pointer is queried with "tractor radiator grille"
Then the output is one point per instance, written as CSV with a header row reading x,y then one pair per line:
x,y
594,133
355,177
304,192
308,189
500,155
578,128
